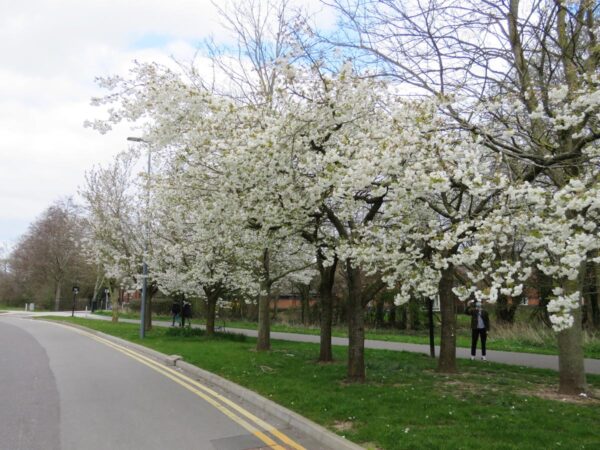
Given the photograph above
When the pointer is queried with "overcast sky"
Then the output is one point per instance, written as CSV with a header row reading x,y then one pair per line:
x,y
51,52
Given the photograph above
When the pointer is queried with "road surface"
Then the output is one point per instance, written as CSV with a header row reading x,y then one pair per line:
x,y
61,388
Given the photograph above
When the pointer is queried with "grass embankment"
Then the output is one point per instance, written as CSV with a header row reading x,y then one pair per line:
x,y
405,404
520,337
5,308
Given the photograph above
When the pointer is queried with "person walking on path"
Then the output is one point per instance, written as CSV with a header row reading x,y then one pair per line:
x,y
480,325
186,313
175,311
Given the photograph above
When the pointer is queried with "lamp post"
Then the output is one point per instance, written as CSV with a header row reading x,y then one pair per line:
x,y
144,264
75,292
106,293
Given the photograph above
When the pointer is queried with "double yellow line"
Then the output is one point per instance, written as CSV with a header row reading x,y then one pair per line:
x,y
246,419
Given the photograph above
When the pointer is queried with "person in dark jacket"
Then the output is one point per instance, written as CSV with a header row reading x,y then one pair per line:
x,y
186,313
480,325
175,311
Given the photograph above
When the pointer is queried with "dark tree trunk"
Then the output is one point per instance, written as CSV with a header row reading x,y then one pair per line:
x,y
379,313
595,310
114,300
275,310
402,323
263,342
212,296
148,312
447,361
356,326
57,296
304,291
592,298
326,308
506,310
544,293
393,316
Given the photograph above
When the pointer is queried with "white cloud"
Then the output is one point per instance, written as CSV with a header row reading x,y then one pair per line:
x,y
51,52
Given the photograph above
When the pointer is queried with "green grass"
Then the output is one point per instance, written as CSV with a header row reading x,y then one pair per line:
x,y
11,308
135,316
521,337
405,404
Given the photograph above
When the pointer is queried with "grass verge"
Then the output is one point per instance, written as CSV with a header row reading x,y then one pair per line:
x,y
405,404
517,338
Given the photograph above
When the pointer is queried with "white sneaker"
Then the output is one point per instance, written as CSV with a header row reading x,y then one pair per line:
x,y
483,358
472,358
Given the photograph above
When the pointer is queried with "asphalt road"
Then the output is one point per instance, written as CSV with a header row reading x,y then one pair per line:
x,y
61,389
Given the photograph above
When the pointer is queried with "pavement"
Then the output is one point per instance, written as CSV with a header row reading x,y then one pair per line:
x,y
533,360
64,387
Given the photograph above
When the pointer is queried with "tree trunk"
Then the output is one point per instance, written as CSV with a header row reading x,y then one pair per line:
x,y
326,307
505,310
275,305
97,285
591,318
594,298
263,342
148,312
304,291
211,310
570,359
393,316
571,371
57,291
379,313
447,361
356,326
114,301
409,317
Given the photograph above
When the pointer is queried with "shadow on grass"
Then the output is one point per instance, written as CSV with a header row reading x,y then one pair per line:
x,y
187,332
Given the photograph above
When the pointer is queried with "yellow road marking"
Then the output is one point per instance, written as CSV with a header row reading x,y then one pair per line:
x,y
185,381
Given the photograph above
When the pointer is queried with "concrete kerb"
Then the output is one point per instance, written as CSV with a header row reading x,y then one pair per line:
x,y
294,420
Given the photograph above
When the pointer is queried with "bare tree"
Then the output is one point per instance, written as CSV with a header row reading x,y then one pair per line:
x,y
50,252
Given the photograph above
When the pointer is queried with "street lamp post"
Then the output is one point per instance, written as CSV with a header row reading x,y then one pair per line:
x,y
75,292
106,293
144,264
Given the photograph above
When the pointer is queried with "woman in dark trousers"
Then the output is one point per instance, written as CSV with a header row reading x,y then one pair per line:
x,y
175,311
480,325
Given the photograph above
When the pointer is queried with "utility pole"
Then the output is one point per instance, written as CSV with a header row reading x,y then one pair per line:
x,y
75,292
146,238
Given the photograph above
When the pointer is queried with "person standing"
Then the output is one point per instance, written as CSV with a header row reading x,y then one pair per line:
x,y
186,313
175,311
480,325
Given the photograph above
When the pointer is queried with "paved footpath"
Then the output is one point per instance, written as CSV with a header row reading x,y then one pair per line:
x,y
592,366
